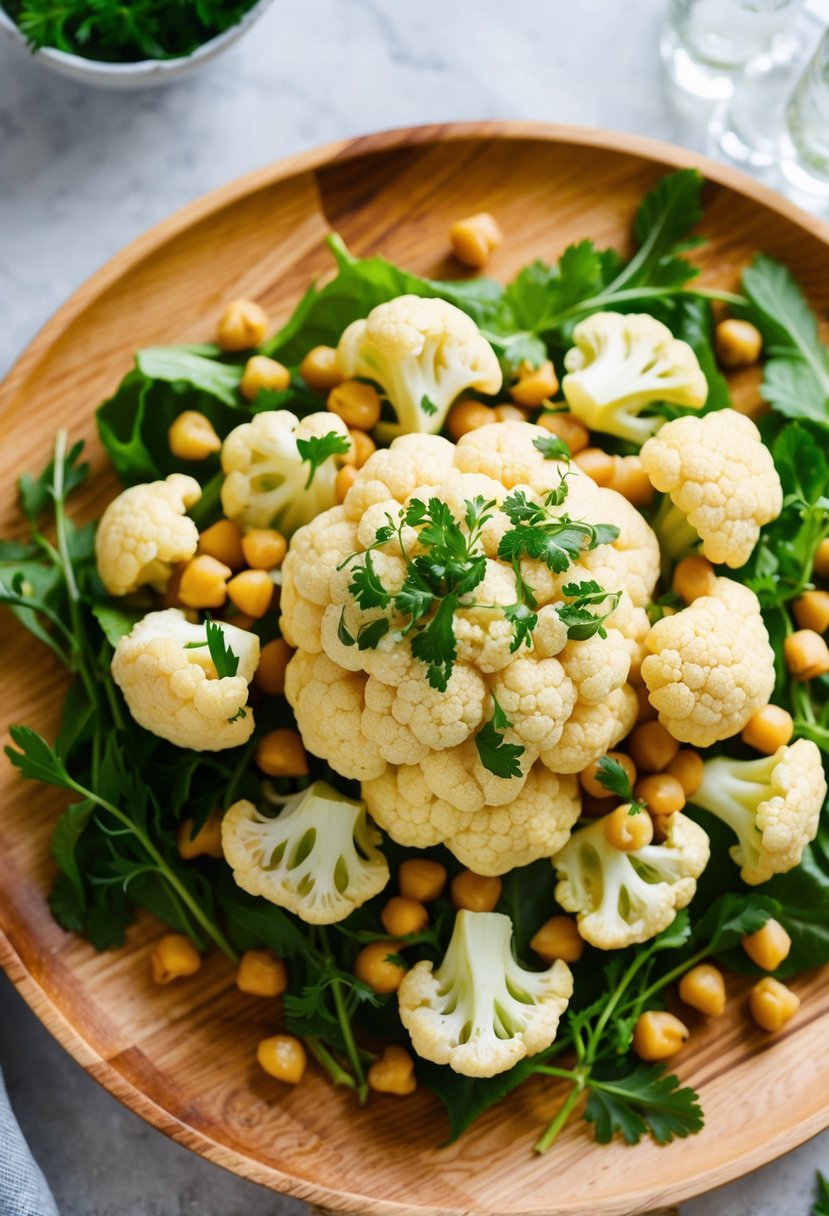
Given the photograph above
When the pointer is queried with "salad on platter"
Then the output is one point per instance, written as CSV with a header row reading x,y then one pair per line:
x,y
454,661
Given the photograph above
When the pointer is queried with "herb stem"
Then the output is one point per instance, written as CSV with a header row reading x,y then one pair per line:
x,y
345,1027
565,1110
326,1060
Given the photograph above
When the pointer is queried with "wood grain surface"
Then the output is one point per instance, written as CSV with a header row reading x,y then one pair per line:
x,y
183,1056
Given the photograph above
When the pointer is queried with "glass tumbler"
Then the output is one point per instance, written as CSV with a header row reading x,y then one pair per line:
x,y
805,141
706,43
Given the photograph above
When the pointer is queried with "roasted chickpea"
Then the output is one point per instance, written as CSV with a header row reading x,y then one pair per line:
x,y
251,591
631,481
688,768
344,481
375,966
811,610
628,832
652,747
647,712
568,428
264,548
768,728
737,343
558,937
363,446
703,988
358,404
806,654
280,753
598,465
769,946
282,1056
269,676
474,238
772,1004
509,413
261,973
402,916
223,541
206,842
468,415
192,436
693,577
243,324
261,372
173,957
596,808
320,369
822,559
658,1035
476,892
662,792
588,777
534,385
204,583
393,1073
421,879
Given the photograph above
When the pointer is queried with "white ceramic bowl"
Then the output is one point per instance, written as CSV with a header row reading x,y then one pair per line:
x,y
142,74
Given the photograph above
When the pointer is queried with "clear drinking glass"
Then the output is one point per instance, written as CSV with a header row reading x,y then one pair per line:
x,y
805,141
706,43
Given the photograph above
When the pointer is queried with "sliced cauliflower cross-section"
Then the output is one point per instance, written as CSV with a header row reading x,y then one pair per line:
x,y
144,531
772,805
423,353
164,670
318,857
480,1012
626,897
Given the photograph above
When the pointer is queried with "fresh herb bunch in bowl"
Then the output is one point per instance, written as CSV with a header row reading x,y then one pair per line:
x,y
126,46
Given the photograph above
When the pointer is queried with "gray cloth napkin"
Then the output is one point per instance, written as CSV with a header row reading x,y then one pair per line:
x,y
23,1189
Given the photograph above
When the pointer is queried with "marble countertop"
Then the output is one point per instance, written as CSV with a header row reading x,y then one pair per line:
x,y
82,172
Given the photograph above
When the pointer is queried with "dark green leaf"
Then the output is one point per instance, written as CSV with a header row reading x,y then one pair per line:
x,y
319,448
633,1101
821,1206
551,447
36,759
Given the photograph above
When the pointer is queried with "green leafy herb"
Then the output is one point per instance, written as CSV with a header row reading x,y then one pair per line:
x,y
615,780
577,616
821,1205
551,447
428,406
538,534
498,756
319,448
633,1101
224,659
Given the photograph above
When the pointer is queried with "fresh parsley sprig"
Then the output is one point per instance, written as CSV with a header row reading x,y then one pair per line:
x,y
496,755
315,450
539,534
581,622
615,780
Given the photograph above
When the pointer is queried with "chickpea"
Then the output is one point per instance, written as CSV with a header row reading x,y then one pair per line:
x,y
811,610
172,957
767,729
628,832
402,916
476,892
358,404
251,591
646,712
509,413
693,577
658,1035
598,465
193,437
283,1057
662,792
772,1004
474,238
468,415
652,747
769,946
737,343
806,654
280,753
631,481
687,767
393,1073
569,428
206,842
204,583
596,808
421,879
374,967
703,988
269,676
243,324
264,548
589,776
363,446
223,540
534,385
320,369
261,372
558,937
261,973
822,559
344,481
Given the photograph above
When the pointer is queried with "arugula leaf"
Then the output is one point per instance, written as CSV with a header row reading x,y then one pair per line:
x,y
496,755
319,448
634,1101
200,367
664,218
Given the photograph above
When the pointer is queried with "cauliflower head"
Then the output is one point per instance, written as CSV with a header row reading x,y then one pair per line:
x,y
625,898
622,363
772,805
173,692
720,482
481,1012
318,857
710,666
280,472
144,532
423,353
397,729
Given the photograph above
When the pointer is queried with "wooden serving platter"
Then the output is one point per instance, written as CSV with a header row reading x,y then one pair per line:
x,y
183,1056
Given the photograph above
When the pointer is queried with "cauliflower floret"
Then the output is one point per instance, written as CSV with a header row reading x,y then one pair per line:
x,y
597,666
710,666
144,531
318,857
622,898
328,705
592,730
271,480
720,483
484,636
395,472
423,353
480,1012
396,743
622,363
772,805
538,696
491,840
506,453
440,719
169,690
